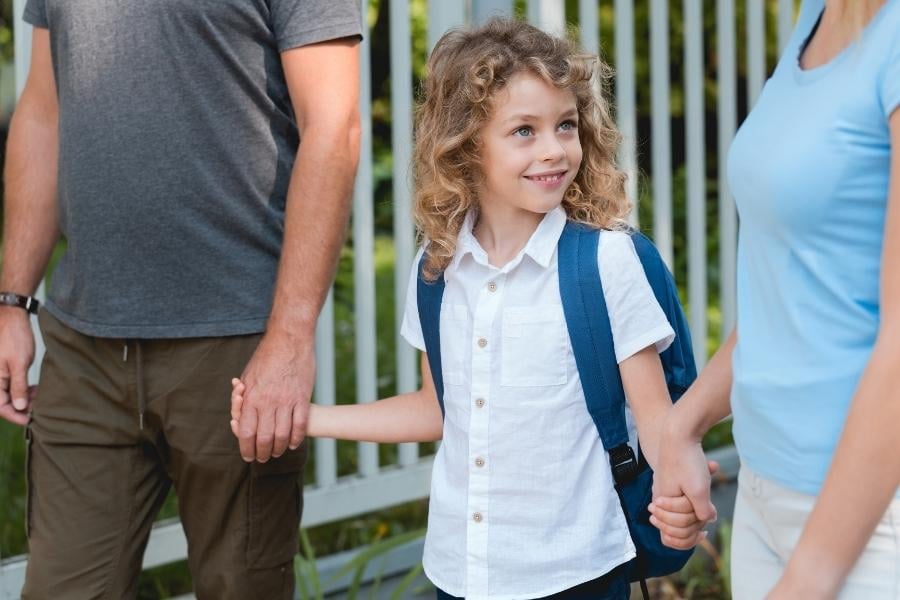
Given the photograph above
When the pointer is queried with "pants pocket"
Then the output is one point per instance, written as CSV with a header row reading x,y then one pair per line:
x,y
275,505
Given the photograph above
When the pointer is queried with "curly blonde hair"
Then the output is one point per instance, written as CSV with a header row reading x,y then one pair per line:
x,y
465,71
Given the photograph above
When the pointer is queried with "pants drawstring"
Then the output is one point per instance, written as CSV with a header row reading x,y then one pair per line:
x,y
139,366
142,398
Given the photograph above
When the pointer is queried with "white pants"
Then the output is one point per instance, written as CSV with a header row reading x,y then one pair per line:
x,y
768,520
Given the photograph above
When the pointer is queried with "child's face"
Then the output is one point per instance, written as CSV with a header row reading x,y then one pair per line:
x,y
530,147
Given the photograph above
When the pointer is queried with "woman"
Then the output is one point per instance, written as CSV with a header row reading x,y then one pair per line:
x,y
813,368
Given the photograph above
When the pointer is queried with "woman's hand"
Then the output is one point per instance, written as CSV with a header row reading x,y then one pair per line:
x,y
681,483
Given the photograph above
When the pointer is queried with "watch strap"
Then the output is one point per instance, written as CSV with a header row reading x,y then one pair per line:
x,y
29,303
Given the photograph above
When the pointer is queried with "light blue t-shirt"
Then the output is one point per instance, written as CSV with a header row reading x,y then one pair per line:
x,y
809,170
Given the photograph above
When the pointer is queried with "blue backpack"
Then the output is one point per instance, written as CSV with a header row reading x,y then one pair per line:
x,y
590,333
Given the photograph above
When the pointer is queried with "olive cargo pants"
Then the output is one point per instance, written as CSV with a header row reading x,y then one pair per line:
x,y
114,424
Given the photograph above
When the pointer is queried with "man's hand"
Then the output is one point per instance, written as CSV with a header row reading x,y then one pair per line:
x,y
16,355
277,382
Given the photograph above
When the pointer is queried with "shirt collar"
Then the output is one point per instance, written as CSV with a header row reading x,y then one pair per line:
x,y
540,246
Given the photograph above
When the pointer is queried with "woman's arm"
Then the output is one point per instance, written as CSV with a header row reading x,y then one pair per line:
x,y
865,472
411,417
683,469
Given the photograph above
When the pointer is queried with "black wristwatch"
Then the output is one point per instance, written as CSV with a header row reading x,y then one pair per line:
x,y
29,303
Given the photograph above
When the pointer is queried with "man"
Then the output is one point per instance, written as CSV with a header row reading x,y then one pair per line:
x,y
159,138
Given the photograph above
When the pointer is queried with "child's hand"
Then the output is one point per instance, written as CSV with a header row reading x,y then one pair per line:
x,y
677,522
237,401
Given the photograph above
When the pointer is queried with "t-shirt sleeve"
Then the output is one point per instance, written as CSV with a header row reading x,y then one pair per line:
x,y
890,77
411,327
636,319
302,22
36,13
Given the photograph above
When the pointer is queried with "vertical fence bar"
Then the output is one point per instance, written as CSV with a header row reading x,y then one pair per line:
x,y
696,174
401,146
589,24
326,448
22,45
482,10
660,98
727,114
785,22
364,257
626,99
756,49
549,15
442,15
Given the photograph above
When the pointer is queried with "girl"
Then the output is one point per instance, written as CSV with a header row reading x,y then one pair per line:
x,y
512,142
813,370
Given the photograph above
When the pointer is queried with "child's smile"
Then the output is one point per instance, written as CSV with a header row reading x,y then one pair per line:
x,y
530,150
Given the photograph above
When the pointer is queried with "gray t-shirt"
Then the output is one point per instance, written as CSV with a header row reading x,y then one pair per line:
x,y
177,139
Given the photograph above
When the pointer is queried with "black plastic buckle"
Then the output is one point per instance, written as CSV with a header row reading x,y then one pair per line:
x,y
624,464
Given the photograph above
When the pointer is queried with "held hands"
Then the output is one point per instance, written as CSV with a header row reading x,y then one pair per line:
x,y
679,525
681,507
270,410
16,355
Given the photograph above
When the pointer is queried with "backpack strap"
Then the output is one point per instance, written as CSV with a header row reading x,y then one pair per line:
x,y
592,343
678,359
429,295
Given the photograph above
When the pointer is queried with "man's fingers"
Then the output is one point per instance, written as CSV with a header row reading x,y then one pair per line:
x,y
5,398
237,399
18,387
282,431
265,435
298,427
247,434
9,413
713,467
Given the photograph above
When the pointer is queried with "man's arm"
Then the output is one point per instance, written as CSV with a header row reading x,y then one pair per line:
x,y
323,80
30,224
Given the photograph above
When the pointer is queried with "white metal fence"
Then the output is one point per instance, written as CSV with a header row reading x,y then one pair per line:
x,y
374,487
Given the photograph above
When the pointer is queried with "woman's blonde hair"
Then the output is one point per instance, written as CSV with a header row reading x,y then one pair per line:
x,y
465,71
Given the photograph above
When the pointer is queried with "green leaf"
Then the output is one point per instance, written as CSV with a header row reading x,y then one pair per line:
x,y
406,582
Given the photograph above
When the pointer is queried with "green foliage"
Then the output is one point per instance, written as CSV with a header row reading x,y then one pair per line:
x,y
708,574
363,564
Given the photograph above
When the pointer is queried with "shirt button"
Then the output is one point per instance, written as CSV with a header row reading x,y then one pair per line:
x,y
477,517
479,462
492,286
480,403
482,342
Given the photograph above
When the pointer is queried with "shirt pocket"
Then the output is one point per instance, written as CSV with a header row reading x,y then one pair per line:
x,y
534,347
454,342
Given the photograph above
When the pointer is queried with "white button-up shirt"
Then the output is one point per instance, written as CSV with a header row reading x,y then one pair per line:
x,y
522,499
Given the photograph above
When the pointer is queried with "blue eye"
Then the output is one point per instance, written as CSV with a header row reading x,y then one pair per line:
x,y
523,131
568,125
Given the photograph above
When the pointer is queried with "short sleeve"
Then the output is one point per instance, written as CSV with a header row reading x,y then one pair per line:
x,y
36,13
303,22
411,327
889,83
636,319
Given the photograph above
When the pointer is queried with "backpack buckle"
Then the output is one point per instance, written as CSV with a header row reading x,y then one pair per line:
x,y
624,464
